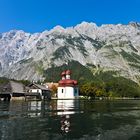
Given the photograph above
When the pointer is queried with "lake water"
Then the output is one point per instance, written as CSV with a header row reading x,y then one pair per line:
x,y
70,119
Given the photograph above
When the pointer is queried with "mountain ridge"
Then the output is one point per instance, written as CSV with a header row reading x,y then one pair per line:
x,y
108,47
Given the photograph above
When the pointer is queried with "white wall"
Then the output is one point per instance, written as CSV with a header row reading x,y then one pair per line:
x,y
36,90
61,95
68,93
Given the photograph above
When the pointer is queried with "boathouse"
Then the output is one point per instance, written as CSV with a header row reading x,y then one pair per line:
x,y
11,89
42,91
67,88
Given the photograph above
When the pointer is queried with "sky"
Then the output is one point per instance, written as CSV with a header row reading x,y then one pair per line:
x,y
39,15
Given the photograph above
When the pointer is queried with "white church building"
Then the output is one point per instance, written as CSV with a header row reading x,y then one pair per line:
x,y
67,88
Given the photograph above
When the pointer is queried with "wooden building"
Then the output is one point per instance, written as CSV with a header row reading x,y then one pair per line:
x,y
11,89
41,90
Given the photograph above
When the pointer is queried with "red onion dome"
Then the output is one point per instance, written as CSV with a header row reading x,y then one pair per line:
x,y
63,73
68,72
75,82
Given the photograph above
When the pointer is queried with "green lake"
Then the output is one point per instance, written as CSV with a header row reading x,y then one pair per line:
x,y
70,120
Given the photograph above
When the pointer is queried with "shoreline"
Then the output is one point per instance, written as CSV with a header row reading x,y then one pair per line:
x,y
98,98
80,98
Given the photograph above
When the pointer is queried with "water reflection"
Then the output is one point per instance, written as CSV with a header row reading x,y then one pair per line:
x,y
34,108
65,107
70,119
40,108
65,123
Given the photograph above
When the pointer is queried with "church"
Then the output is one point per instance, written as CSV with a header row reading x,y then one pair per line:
x,y
67,88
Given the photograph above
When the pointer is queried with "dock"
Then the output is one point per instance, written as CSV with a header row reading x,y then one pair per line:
x,y
7,96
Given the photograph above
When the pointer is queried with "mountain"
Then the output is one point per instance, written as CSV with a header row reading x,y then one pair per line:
x,y
98,48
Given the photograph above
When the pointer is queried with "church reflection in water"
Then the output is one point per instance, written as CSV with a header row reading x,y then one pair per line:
x,y
52,108
61,108
65,123
65,108
62,119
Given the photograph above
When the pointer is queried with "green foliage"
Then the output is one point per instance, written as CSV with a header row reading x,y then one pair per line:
x,y
123,87
92,89
102,84
79,72
105,84
3,80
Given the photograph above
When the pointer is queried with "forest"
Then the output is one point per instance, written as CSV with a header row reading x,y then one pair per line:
x,y
100,84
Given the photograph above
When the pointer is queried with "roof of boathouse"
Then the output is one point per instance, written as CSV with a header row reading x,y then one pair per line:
x,y
37,86
12,86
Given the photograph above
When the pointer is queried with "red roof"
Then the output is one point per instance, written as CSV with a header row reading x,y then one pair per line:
x,y
68,72
63,73
68,82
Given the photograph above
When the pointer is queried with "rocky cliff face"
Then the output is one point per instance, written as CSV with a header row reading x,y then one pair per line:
x,y
107,47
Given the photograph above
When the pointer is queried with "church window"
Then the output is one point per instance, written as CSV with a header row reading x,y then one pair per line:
x,y
62,90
